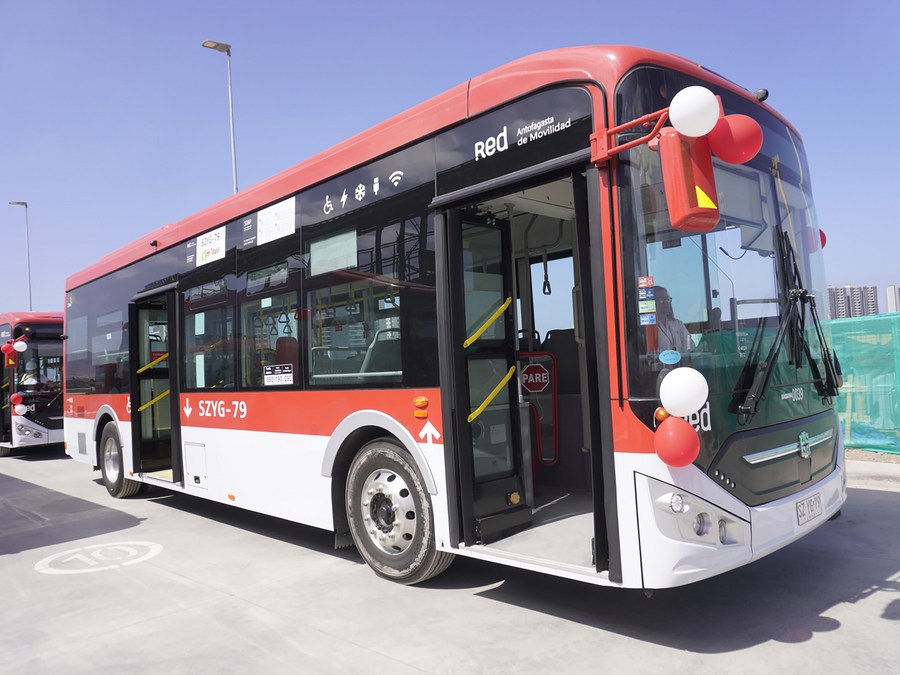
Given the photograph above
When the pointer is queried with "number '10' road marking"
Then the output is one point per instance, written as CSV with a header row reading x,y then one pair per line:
x,y
98,557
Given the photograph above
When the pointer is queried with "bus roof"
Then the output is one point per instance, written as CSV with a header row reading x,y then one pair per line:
x,y
604,65
14,318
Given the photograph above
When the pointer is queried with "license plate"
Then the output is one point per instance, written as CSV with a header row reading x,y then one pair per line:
x,y
809,508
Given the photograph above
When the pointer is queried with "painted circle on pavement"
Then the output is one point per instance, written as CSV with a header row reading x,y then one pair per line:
x,y
98,557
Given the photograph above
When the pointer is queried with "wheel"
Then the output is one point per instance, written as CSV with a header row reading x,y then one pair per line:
x,y
111,465
389,513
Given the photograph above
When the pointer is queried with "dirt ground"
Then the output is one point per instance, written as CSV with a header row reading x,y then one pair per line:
x,y
871,456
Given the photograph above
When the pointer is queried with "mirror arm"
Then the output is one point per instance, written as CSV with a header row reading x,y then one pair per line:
x,y
603,141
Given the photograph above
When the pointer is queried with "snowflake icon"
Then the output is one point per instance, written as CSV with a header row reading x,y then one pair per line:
x,y
360,192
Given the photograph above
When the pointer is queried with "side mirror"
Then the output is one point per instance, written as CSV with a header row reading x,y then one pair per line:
x,y
688,181
10,355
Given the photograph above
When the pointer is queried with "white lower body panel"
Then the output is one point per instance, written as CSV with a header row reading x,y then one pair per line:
x,y
714,532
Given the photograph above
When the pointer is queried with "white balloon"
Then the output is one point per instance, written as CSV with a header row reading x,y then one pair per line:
x,y
683,391
21,409
694,111
20,346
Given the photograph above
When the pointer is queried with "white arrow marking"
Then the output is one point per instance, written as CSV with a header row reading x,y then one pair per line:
x,y
429,433
187,407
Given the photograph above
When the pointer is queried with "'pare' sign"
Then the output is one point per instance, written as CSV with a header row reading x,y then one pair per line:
x,y
535,377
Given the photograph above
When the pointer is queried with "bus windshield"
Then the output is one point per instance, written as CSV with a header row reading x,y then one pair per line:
x,y
714,301
40,366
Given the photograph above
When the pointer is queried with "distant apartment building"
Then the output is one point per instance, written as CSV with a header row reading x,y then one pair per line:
x,y
847,301
893,299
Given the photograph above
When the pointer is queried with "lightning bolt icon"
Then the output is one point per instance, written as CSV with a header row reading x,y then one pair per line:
x,y
343,198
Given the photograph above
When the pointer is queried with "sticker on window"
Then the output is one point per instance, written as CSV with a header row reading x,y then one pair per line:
x,y
279,374
670,357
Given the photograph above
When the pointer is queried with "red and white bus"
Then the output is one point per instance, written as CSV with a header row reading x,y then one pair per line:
x,y
31,414
447,335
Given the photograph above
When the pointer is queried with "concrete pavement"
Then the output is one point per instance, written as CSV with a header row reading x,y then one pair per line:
x,y
168,583
873,474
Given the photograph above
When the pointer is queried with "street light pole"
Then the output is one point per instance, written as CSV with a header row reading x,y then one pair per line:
x,y
226,49
27,251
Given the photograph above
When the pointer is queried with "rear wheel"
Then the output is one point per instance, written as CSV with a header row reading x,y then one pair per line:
x,y
111,465
390,517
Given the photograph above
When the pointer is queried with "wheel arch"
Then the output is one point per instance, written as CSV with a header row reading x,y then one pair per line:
x,y
348,438
385,425
104,416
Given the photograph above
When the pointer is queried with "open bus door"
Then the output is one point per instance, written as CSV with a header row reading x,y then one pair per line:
x,y
530,459
494,462
154,387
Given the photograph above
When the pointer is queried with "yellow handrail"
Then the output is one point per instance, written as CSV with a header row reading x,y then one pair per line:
x,y
480,409
149,403
153,363
496,315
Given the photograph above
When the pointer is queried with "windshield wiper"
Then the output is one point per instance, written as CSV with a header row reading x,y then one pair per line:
x,y
751,401
792,322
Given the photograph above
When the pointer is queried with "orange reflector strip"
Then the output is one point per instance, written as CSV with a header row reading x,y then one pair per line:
x,y
231,497
421,414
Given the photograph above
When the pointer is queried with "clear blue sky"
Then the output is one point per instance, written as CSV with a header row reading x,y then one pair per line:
x,y
114,119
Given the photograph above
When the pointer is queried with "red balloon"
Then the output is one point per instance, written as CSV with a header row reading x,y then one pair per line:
x,y
736,138
7,349
16,399
676,442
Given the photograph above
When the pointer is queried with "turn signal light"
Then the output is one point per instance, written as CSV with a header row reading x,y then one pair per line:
x,y
421,403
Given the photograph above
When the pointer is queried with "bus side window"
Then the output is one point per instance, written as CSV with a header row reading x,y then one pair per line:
x,y
208,349
269,349
354,334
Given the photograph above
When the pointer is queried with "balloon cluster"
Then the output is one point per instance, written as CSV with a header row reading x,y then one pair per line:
x,y
16,400
10,347
682,392
695,112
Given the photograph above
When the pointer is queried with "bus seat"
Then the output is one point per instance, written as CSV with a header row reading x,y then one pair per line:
x,y
286,350
561,343
383,355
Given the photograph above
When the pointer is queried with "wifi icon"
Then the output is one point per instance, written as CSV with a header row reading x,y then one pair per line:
x,y
395,178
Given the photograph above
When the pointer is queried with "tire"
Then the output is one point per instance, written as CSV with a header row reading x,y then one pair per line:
x,y
390,517
111,465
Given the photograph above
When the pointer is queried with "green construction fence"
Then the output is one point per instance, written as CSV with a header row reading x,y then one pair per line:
x,y
868,405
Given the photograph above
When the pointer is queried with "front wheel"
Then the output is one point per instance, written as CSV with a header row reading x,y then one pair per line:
x,y
111,465
389,513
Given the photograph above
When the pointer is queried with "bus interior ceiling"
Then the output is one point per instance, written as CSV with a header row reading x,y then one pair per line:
x,y
543,238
